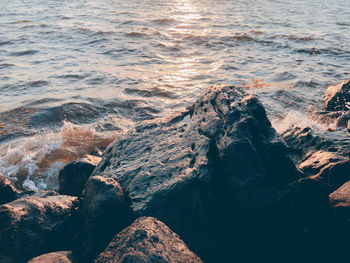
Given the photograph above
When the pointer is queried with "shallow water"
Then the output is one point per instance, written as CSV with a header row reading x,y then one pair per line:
x,y
96,67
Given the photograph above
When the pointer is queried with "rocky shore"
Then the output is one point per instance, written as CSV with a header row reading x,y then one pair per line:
x,y
214,183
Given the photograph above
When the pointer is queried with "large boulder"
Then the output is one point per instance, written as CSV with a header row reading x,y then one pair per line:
x,y
73,176
35,224
213,173
337,98
7,191
104,212
147,240
53,257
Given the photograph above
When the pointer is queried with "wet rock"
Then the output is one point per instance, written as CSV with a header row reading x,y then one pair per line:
x,y
104,212
335,174
315,161
53,257
343,121
340,201
147,240
73,176
7,191
337,98
35,224
213,173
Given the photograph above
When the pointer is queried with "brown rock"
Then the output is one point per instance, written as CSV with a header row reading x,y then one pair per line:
x,y
147,240
35,224
53,257
337,97
340,200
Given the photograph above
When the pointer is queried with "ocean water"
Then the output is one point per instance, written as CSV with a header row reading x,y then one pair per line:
x,y
74,75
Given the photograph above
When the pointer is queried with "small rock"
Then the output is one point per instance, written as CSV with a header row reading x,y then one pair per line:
x,y
7,191
337,98
53,257
340,201
35,224
335,174
104,212
147,240
74,175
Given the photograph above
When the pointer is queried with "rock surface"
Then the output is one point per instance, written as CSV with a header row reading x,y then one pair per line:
x,y
7,191
35,224
103,213
337,98
53,257
73,176
206,171
147,240
340,200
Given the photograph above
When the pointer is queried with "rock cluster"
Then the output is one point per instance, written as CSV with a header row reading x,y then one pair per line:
x,y
215,183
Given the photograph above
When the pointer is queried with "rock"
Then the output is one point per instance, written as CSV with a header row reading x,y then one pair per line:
x,y
35,224
7,191
340,201
335,174
74,175
53,257
315,161
337,98
343,121
147,240
104,212
213,174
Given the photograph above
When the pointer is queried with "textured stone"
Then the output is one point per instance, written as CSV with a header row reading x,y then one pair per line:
x,y
337,98
147,240
53,257
7,191
35,224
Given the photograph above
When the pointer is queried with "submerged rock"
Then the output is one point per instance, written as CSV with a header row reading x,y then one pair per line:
x,y
7,191
337,98
73,176
213,173
147,240
103,213
35,224
53,257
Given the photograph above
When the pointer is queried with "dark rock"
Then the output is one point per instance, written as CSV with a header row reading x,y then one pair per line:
x,y
343,121
213,174
147,240
335,174
104,212
53,257
7,191
337,98
340,201
73,176
35,224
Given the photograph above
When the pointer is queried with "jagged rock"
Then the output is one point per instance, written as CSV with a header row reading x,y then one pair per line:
x,y
335,174
213,173
53,257
337,98
343,121
147,240
35,224
340,200
315,161
7,191
73,176
104,212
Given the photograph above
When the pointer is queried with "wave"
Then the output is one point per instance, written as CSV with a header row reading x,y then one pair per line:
x,y
34,163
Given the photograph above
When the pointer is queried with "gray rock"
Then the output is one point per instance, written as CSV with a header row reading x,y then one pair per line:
x,y
53,257
7,191
337,98
147,240
205,171
35,224
103,213
73,176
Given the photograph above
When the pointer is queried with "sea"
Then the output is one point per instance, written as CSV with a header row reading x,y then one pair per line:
x,y
76,75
